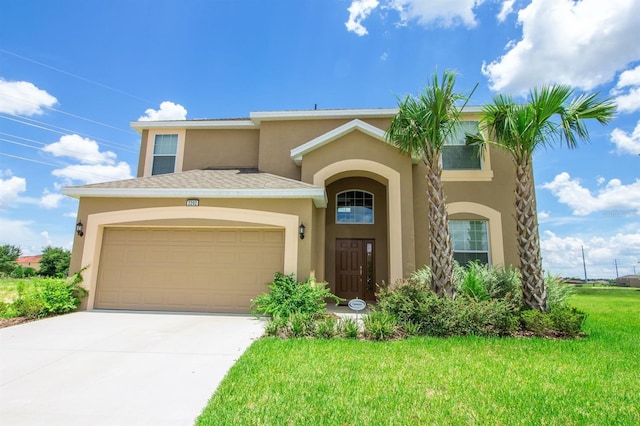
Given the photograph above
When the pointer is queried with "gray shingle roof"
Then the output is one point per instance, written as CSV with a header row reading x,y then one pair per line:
x,y
218,183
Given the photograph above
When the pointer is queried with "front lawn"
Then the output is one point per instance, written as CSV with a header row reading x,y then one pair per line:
x,y
462,380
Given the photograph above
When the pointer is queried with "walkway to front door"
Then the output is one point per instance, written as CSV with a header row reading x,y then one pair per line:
x,y
355,266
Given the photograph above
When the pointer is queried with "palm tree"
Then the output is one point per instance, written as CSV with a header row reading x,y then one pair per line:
x,y
421,128
547,118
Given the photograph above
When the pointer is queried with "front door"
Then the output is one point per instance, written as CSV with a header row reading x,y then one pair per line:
x,y
355,269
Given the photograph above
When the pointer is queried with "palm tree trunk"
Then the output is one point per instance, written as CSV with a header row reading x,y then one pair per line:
x,y
439,238
533,288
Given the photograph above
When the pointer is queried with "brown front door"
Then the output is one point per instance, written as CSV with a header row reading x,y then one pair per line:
x,y
355,269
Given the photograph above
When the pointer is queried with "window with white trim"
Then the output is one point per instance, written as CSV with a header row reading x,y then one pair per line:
x,y
354,207
165,148
470,240
456,154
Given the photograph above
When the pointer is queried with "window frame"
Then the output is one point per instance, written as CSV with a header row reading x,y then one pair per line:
x,y
458,141
487,239
373,213
154,155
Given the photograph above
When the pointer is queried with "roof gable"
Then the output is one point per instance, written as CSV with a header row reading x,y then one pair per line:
x,y
322,140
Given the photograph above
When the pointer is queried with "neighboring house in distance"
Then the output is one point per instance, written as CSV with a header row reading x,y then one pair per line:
x,y
218,206
30,261
629,281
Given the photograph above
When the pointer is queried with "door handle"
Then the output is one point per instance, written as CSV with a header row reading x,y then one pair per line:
x,y
360,270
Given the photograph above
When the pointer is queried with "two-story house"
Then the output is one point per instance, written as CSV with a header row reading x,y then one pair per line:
x,y
220,205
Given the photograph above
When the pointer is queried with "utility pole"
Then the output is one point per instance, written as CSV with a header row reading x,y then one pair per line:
x,y
615,261
584,265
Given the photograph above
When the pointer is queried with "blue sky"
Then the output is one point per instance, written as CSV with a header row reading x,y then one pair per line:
x,y
73,74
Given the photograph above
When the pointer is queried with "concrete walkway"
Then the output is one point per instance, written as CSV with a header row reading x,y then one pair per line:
x,y
117,368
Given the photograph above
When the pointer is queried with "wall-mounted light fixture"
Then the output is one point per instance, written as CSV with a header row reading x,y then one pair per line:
x,y
301,229
79,227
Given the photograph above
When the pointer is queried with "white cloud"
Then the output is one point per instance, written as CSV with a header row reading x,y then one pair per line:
x,y
358,12
23,98
613,199
95,173
168,111
73,214
506,10
50,200
444,13
10,189
627,143
563,255
627,90
543,215
85,150
47,239
581,44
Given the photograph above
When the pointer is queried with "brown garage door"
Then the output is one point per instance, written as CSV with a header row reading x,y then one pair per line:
x,y
177,269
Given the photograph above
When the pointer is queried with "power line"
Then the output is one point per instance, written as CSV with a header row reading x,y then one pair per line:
x,y
51,128
104,86
99,160
56,165
70,114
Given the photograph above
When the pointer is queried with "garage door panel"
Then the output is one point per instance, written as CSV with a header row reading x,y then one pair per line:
x,y
181,269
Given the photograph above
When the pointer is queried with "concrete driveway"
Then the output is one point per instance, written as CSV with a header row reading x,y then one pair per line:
x,y
117,368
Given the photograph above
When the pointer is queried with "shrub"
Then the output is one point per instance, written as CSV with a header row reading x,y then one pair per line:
x,y
325,328
347,327
537,322
567,320
287,296
275,326
301,324
379,325
557,291
415,303
411,328
484,282
49,296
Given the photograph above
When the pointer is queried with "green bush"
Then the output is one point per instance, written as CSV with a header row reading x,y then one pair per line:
x,y
484,282
567,320
411,329
301,324
379,325
275,326
45,297
287,296
557,291
416,303
325,328
537,322
347,327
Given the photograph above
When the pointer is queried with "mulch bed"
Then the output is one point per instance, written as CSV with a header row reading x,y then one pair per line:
x,y
8,322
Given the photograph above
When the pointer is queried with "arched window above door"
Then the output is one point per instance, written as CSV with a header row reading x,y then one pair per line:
x,y
354,207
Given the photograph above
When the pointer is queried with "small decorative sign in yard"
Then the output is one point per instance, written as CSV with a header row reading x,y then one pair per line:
x,y
193,202
357,304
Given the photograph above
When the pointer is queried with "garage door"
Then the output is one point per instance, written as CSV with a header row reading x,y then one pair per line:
x,y
177,269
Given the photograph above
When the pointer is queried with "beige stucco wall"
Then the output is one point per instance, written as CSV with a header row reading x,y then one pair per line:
x,y
497,194
221,148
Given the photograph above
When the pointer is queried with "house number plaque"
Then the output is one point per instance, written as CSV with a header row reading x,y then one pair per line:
x,y
193,203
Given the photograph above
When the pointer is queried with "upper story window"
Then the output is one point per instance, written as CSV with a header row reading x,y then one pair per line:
x,y
165,148
470,241
456,155
354,207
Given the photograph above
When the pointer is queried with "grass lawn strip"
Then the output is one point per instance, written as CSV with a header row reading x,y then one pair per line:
x,y
445,381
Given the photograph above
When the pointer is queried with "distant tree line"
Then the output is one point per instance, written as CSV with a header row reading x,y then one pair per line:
x,y
54,262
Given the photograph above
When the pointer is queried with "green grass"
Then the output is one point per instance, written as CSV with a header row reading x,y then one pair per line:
x,y
470,380
9,287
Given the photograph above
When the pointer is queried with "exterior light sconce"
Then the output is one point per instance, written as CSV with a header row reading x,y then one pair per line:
x,y
301,229
79,227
